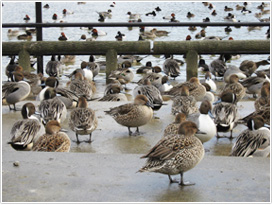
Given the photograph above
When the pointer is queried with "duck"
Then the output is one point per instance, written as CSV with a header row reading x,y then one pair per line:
x,y
190,15
207,19
26,36
218,67
145,69
230,17
151,92
25,131
55,16
91,65
188,38
105,13
195,89
133,16
169,17
173,19
134,114
254,84
160,32
204,121
171,68
225,112
238,7
82,120
228,8
258,15
210,82
211,6
245,11
264,98
205,3
85,72
153,13
165,85
113,87
201,34
54,68
124,76
54,140
253,141
175,154
51,107
192,28
16,91
202,65
68,59
228,29
267,11
116,97
148,34
173,127
232,69
214,13
119,36
183,102
10,67
96,33
155,79
237,88
66,12
81,86
12,33
63,37
46,6
248,67
26,18
157,8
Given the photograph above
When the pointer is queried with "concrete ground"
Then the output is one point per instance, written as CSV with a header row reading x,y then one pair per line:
x,y
88,177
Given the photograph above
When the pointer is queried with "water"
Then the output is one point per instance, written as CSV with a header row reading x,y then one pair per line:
x,y
114,141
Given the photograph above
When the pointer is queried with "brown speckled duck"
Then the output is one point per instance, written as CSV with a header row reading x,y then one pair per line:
x,y
174,126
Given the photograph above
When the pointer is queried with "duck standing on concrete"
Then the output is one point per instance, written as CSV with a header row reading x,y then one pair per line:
x,y
232,69
218,67
54,68
175,154
204,121
133,114
254,141
25,131
183,102
10,67
53,140
15,91
171,68
91,65
202,65
225,112
248,67
82,119
151,92
174,126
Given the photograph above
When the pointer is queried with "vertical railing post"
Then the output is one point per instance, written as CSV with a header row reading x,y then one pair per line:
x,y
38,6
191,62
111,62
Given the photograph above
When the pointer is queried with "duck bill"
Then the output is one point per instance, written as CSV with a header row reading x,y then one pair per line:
x,y
210,114
218,101
148,104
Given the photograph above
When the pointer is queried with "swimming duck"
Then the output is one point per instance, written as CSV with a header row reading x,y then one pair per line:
x,y
171,68
15,91
51,107
145,69
183,102
174,126
237,88
54,68
148,34
55,16
151,92
218,67
160,32
238,7
254,84
207,19
214,13
176,153
173,19
267,11
195,89
158,8
105,13
228,8
46,6
63,37
202,65
211,6
96,33
133,16
133,114
249,67
230,17
245,11
26,18
169,17
81,86
192,28
25,131
53,140
254,140
10,67
204,121
225,112
201,34
190,15
12,33
258,15
67,12
153,13
26,36
232,69
68,59
228,29
83,120
119,36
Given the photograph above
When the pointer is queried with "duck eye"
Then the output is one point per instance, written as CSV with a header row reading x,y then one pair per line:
x,y
157,78
118,99
128,71
139,92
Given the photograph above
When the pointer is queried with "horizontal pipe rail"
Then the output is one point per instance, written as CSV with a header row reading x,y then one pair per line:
x,y
134,24
138,47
